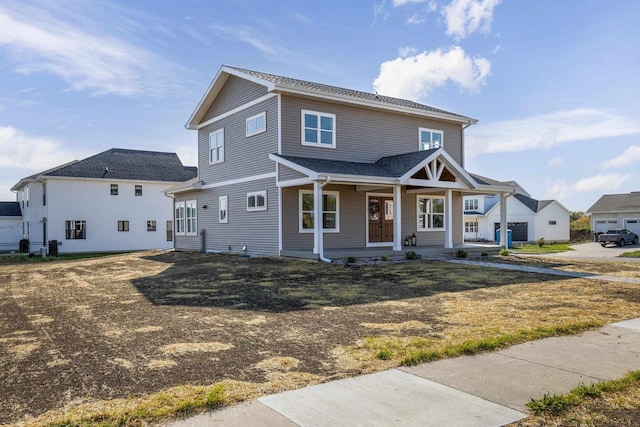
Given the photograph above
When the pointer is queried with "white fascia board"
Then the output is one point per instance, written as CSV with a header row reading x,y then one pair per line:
x,y
560,205
294,182
107,179
313,175
214,88
236,110
448,161
382,106
435,184
239,180
357,179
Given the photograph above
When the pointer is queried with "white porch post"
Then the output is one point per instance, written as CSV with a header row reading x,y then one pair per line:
x,y
448,219
317,217
397,218
503,220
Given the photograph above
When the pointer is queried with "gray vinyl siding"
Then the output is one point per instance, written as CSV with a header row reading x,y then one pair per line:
x,y
363,135
458,229
285,174
234,93
243,156
258,230
183,242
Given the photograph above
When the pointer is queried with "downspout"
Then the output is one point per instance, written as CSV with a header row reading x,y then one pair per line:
x,y
321,245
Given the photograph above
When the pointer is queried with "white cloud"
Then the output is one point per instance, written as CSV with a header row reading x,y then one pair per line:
x,y
548,130
397,3
496,49
597,185
556,161
629,156
415,19
464,17
413,77
433,6
406,51
19,150
380,10
249,36
84,58
188,154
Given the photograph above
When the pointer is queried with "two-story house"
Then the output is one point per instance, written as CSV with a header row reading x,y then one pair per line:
x,y
288,166
112,201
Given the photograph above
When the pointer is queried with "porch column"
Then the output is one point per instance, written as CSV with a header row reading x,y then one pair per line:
x,y
317,217
448,220
503,220
397,218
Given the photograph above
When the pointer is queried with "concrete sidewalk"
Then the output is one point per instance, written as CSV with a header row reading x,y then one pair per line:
x,y
484,390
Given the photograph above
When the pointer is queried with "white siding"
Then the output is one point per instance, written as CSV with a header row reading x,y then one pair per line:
x,y
552,233
10,229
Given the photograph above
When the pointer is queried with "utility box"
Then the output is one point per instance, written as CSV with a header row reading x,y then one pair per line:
x,y
53,247
24,246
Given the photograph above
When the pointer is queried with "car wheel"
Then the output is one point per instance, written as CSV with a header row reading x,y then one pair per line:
x,y
621,242
603,244
635,241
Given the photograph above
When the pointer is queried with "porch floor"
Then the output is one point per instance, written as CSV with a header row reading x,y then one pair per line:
x,y
424,251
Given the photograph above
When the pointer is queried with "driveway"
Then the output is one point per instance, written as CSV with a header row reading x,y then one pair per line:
x,y
594,252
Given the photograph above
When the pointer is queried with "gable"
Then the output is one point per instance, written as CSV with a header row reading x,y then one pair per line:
x,y
235,92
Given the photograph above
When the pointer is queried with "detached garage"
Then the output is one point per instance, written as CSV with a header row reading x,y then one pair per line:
x,y
616,211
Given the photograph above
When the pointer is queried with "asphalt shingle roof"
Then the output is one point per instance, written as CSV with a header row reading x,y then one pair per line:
x,y
532,204
629,202
10,209
334,90
119,163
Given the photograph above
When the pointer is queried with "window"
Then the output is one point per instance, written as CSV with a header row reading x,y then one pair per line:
x,y
114,189
179,218
192,217
123,225
257,201
429,139
471,205
216,146
256,124
430,213
330,216
318,129
552,222
151,225
169,231
138,190
44,196
75,230
470,227
223,209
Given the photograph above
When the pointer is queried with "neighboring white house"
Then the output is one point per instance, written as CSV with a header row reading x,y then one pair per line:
x,y
10,225
616,211
528,219
113,201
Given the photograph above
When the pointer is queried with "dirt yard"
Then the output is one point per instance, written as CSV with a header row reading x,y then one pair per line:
x,y
83,331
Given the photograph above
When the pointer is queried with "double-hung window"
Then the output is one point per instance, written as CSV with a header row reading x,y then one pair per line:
x,y
75,230
430,213
470,227
257,201
123,225
216,146
429,139
318,129
192,217
223,209
471,205
179,218
330,211
256,124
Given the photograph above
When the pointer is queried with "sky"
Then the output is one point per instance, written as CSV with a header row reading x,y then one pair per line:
x,y
554,84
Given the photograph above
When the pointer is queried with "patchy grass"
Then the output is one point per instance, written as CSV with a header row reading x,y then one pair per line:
x,y
21,258
544,249
634,254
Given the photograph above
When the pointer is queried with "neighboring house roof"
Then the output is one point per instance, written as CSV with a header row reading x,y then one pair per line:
x,y
119,163
629,202
488,181
276,83
532,204
10,209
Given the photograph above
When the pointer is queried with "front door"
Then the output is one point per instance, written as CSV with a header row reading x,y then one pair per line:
x,y
380,219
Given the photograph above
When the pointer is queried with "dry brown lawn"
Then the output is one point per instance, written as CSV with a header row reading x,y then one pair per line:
x,y
88,333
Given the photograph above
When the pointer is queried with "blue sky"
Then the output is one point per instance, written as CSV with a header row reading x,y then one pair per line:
x,y
554,84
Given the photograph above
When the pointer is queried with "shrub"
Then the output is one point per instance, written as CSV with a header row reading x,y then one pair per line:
x,y
540,242
384,258
484,255
504,252
351,259
461,253
384,354
411,255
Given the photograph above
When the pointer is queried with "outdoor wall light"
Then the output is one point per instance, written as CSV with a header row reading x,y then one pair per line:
x,y
205,207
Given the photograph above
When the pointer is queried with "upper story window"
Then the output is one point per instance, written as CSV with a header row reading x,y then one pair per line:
x,y
429,139
114,189
138,190
192,217
330,211
318,129
471,205
430,213
257,201
257,124
216,146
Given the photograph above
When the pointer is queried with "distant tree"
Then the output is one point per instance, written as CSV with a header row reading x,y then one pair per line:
x,y
581,223
576,215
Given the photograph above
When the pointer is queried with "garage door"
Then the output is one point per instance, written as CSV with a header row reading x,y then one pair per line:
x,y
633,225
603,225
519,230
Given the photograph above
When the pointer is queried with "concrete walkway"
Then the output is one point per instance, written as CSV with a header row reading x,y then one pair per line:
x,y
484,390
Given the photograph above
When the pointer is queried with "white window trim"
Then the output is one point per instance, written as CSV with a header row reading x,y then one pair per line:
x,y
194,205
211,161
223,200
420,130
180,231
325,230
444,214
317,144
255,194
471,203
264,129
